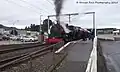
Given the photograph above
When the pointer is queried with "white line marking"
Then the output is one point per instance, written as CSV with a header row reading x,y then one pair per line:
x,y
92,62
62,47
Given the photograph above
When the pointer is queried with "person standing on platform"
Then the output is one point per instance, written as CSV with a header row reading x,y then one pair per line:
x,y
92,34
42,36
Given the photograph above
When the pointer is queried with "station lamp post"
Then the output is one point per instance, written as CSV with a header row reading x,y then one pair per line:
x,y
14,26
48,25
40,24
94,46
40,31
94,25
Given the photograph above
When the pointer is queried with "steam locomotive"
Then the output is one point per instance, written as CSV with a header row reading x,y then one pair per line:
x,y
64,32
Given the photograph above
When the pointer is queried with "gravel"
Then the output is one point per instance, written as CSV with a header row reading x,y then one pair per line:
x,y
39,64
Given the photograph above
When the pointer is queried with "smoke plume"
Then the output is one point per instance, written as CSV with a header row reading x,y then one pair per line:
x,y
58,7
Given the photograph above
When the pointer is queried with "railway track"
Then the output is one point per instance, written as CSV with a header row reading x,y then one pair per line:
x,y
10,53
7,62
10,48
15,55
17,45
4,58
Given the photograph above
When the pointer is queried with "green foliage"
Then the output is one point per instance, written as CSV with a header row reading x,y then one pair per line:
x,y
44,26
14,32
33,27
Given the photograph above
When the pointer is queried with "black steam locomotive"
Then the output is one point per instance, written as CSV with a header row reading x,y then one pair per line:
x,y
64,32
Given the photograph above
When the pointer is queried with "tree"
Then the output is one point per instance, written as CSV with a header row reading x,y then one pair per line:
x,y
37,28
26,28
14,32
32,27
44,26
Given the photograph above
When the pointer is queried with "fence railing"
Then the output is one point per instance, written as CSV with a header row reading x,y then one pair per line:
x,y
92,63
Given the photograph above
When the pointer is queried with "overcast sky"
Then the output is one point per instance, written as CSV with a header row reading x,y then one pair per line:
x,y
29,11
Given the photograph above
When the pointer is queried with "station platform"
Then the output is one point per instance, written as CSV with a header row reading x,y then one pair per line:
x,y
78,56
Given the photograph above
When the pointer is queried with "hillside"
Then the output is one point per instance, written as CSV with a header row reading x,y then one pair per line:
x,y
6,28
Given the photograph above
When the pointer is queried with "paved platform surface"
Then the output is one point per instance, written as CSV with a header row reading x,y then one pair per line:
x,y
77,59
111,50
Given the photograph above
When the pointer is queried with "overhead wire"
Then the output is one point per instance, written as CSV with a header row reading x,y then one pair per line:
x,y
29,8
45,5
49,2
12,2
53,5
34,6
29,4
42,4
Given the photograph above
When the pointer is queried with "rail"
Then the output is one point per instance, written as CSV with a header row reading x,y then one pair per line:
x,y
30,56
92,63
6,50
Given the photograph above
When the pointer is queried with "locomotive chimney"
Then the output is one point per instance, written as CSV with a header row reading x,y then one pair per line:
x,y
58,20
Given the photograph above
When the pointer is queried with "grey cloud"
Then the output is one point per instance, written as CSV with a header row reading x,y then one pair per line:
x,y
106,15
